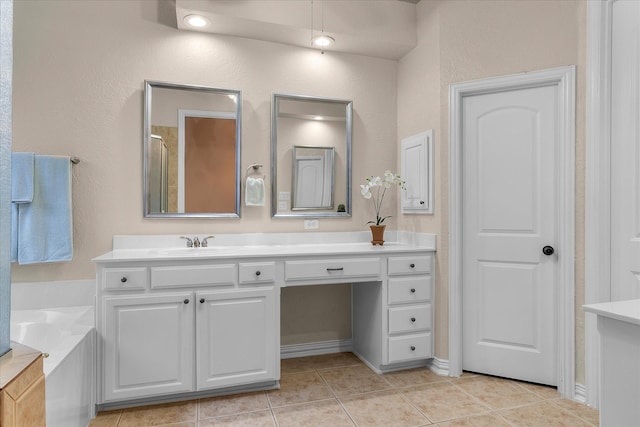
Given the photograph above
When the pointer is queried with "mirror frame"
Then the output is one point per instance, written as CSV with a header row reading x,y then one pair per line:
x,y
148,88
320,213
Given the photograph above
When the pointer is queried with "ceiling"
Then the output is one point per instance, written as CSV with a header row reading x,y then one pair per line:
x,y
380,28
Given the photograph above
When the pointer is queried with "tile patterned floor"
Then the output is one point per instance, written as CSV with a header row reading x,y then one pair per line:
x,y
339,390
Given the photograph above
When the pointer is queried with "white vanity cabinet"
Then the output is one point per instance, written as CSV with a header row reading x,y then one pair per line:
x,y
181,323
235,337
147,345
409,305
170,328
399,334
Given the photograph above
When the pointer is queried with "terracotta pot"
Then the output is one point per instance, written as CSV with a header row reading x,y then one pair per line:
x,y
377,234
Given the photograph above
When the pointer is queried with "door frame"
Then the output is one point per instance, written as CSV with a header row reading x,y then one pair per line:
x,y
564,79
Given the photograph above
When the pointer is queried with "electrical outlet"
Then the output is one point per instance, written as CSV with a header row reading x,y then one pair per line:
x,y
283,205
311,224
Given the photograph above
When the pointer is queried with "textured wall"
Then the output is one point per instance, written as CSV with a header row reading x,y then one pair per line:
x,y
79,79
79,73
469,40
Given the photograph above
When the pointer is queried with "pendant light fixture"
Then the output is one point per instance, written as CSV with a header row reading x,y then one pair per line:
x,y
322,41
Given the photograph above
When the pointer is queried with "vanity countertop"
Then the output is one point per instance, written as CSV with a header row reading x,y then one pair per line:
x,y
625,311
162,248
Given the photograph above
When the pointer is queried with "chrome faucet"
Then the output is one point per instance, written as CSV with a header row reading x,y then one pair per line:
x,y
195,242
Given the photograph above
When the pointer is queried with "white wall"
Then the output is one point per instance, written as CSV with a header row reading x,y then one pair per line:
x,y
79,73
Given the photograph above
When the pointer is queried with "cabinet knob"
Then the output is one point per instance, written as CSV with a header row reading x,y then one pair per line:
x,y
412,265
413,290
123,280
413,320
186,301
413,348
258,273
202,300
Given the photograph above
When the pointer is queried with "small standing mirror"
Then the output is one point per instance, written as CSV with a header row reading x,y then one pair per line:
x,y
191,151
311,156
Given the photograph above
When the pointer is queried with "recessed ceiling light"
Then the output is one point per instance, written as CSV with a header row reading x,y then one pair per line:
x,y
322,41
196,21
318,118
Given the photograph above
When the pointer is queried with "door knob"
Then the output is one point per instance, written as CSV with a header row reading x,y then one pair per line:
x,y
548,250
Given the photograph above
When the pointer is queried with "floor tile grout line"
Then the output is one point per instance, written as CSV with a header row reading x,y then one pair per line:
x,y
486,405
410,402
554,402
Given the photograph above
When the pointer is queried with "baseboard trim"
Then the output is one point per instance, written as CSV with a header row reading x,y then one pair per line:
x,y
439,366
315,348
580,394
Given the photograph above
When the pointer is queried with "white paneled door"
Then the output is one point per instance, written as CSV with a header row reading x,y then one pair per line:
x,y
509,254
625,151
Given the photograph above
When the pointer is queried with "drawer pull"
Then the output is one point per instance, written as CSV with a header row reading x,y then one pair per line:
x,y
123,280
413,348
258,273
413,320
202,300
186,301
413,290
335,269
412,265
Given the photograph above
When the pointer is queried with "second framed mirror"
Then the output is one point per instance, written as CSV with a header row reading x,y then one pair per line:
x,y
311,156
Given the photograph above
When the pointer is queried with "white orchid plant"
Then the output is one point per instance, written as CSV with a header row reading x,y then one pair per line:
x,y
375,189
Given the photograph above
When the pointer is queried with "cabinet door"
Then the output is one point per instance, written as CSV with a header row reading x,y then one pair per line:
x,y
236,337
417,172
148,345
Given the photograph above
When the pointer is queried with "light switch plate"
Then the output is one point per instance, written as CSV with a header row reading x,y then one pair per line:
x,y
284,195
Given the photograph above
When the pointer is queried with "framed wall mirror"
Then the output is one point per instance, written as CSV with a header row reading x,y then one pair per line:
x,y
191,151
310,156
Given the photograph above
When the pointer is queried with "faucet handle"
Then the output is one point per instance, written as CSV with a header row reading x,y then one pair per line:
x,y
196,242
189,241
204,243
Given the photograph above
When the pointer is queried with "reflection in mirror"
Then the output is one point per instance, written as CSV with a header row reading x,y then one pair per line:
x,y
312,182
191,151
310,156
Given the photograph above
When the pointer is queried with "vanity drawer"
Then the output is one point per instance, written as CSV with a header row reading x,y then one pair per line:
x,y
410,265
256,272
409,289
332,268
134,278
410,319
193,275
416,346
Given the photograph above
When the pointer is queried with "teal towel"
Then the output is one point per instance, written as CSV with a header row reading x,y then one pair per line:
x,y
44,226
22,169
